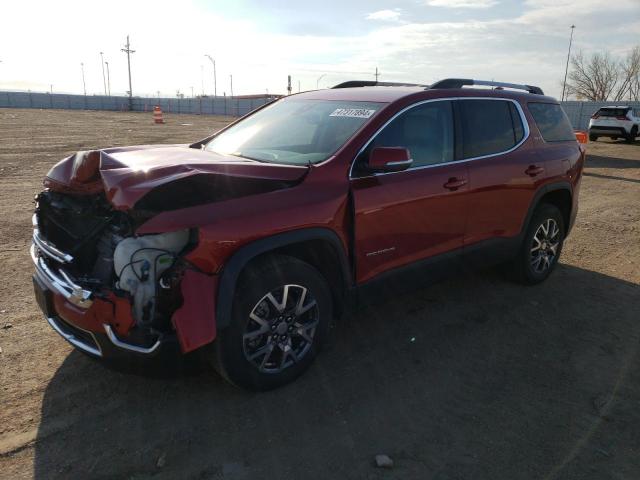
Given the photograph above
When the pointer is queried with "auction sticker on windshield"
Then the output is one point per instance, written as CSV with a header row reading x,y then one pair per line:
x,y
352,112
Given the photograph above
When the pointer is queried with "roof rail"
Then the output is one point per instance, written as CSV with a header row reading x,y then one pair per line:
x,y
461,82
373,83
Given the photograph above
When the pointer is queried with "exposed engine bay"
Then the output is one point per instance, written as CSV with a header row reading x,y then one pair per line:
x,y
109,258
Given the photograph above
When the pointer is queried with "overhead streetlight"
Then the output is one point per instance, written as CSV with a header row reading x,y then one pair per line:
x,y
84,85
566,69
215,82
104,80
108,79
318,80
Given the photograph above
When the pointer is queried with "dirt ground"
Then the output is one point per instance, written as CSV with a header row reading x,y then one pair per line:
x,y
471,378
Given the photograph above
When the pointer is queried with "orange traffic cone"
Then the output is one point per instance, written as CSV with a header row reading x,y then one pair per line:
x,y
157,115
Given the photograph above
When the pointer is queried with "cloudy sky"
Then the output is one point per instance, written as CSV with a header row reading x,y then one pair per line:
x,y
323,42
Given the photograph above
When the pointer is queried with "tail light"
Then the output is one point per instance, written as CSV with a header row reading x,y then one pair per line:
x,y
621,117
594,116
581,137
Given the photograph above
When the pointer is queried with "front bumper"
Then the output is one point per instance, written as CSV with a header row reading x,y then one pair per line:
x,y
102,325
90,323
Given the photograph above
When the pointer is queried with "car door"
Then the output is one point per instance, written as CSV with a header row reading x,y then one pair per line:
x,y
504,169
401,217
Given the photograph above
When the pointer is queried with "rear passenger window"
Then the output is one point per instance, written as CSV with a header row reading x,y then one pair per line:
x,y
552,122
489,127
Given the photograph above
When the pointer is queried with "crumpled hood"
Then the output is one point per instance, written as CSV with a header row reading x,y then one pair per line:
x,y
127,174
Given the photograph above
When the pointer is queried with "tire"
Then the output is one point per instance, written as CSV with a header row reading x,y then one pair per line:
x,y
593,138
632,135
258,318
531,268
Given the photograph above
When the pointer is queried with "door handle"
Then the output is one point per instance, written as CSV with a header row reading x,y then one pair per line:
x,y
455,183
534,170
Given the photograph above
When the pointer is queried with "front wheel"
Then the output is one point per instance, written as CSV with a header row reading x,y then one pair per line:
x,y
281,313
542,245
632,135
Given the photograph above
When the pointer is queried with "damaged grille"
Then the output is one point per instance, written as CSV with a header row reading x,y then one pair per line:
x,y
85,228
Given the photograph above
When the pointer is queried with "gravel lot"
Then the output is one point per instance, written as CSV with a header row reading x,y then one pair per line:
x,y
472,378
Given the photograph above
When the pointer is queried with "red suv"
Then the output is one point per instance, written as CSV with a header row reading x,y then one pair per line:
x,y
245,245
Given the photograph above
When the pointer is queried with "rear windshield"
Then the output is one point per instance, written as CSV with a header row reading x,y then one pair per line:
x,y
553,123
294,132
612,112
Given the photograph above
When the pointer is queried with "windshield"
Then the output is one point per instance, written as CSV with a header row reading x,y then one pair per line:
x,y
295,132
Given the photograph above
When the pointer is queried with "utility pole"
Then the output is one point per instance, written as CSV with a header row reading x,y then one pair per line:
x,y
318,80
51,87
377,74
108,79
231,86
104,80
288,84
215,81
566,70
202,78
128,51
84,85
298,86
191,92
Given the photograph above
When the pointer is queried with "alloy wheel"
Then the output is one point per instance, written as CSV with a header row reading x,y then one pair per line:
x,y
544,248
281,328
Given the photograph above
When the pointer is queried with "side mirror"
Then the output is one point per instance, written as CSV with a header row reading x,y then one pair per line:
x,y
389,159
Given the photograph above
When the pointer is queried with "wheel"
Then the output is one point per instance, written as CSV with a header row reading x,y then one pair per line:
x,y
281,313
632,135
542,245
593,138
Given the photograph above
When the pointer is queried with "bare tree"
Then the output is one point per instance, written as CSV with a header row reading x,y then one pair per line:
x,y
629,85
601,77
593,78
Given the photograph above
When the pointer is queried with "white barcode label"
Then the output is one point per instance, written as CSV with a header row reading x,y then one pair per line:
x,y
352,112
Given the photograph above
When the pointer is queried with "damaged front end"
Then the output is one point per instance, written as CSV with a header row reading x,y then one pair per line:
x,y
104,284
100,283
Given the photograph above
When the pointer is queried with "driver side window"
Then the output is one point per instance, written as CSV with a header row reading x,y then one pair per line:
x,y
426,130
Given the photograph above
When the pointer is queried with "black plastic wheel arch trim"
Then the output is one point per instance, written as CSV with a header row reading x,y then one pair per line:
x,y
234,266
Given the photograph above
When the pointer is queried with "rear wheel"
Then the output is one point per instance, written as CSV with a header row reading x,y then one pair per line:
x,y
542,245
281,312
632,135
593,138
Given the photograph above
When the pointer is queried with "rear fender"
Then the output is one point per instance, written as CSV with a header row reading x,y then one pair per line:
x,y
538,197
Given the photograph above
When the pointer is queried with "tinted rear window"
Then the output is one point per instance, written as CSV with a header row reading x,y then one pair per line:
x,y
489,126
552,122
613,112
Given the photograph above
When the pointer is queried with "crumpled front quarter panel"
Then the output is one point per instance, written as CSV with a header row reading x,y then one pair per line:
x,y
195,321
